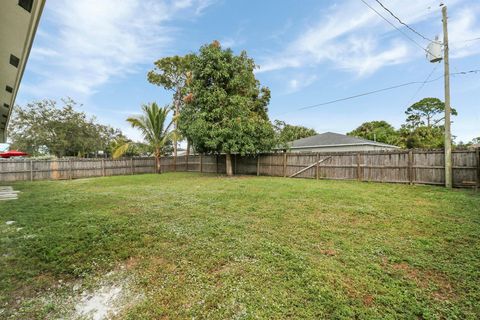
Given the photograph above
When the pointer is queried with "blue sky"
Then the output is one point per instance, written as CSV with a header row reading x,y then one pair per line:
x,y
98,53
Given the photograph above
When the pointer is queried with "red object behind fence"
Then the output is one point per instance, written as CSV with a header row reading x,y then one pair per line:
x,y
13,153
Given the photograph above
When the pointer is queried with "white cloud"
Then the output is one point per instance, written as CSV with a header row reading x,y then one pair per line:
x,y
300,81
89,42
229,43
344,37
464,25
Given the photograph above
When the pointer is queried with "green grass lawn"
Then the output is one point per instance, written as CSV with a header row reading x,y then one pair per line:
x,y
202,246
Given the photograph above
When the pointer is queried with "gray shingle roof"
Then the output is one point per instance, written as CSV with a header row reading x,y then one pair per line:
x,y
331,139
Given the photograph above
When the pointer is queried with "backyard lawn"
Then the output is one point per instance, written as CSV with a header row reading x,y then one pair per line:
x,y
186,245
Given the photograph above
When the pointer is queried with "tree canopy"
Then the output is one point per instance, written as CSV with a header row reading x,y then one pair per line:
x,y
173,73
422,137
285,133
426,112
380,131
44,127
423,127
226,108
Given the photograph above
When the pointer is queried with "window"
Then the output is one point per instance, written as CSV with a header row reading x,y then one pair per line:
x,y
14,61
6,105
9,89
26,4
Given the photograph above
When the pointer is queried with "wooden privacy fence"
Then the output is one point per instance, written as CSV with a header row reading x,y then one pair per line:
x,y
405,166
18,170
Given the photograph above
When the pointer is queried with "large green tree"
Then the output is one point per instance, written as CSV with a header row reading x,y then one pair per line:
x,y
424,125
422,137
172,73
427,112
45,127
380,131
285,133
226,108
155,130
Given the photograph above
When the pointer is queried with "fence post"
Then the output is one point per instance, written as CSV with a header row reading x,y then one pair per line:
x,y
317,167
410,167
284,164
31,170
258,165
186,163
216,159
234,163
358,167
71,168
478,168
103,167
133,168
201,162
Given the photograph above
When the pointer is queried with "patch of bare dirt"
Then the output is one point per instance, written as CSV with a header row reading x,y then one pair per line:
x,y
442,288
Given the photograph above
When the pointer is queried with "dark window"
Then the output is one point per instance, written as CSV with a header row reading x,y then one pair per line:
x,y
14,61
5,116
26,4
6,105
9,89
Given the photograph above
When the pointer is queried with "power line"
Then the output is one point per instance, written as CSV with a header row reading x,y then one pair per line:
x,y
468,40
381,90
368,93
398,29
401,22
466,72
422,84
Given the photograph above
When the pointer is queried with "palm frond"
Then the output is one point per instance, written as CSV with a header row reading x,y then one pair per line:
x,y
152,125
121,150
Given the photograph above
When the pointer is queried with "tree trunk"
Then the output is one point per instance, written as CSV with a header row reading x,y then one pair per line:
x,y
157,161
187,154
157,164
228,164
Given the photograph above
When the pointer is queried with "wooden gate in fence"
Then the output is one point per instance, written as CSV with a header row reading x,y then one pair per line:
x,y
405,166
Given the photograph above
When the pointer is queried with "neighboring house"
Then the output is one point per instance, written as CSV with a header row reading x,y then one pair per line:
x,y
18,23
335,142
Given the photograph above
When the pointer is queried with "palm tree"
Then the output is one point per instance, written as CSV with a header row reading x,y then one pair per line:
x,y
154,130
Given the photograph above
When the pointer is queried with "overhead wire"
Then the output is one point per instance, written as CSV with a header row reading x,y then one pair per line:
x,y
368,93
397,28
380,90
401,22
467,40
422,85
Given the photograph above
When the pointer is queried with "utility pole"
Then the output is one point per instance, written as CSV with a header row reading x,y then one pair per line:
x,y
448,134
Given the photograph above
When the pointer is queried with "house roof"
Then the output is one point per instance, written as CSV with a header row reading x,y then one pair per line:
x,y
334,139
18,24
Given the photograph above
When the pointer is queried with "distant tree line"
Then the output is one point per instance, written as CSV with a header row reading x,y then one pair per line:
x,y
48,128
423,127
